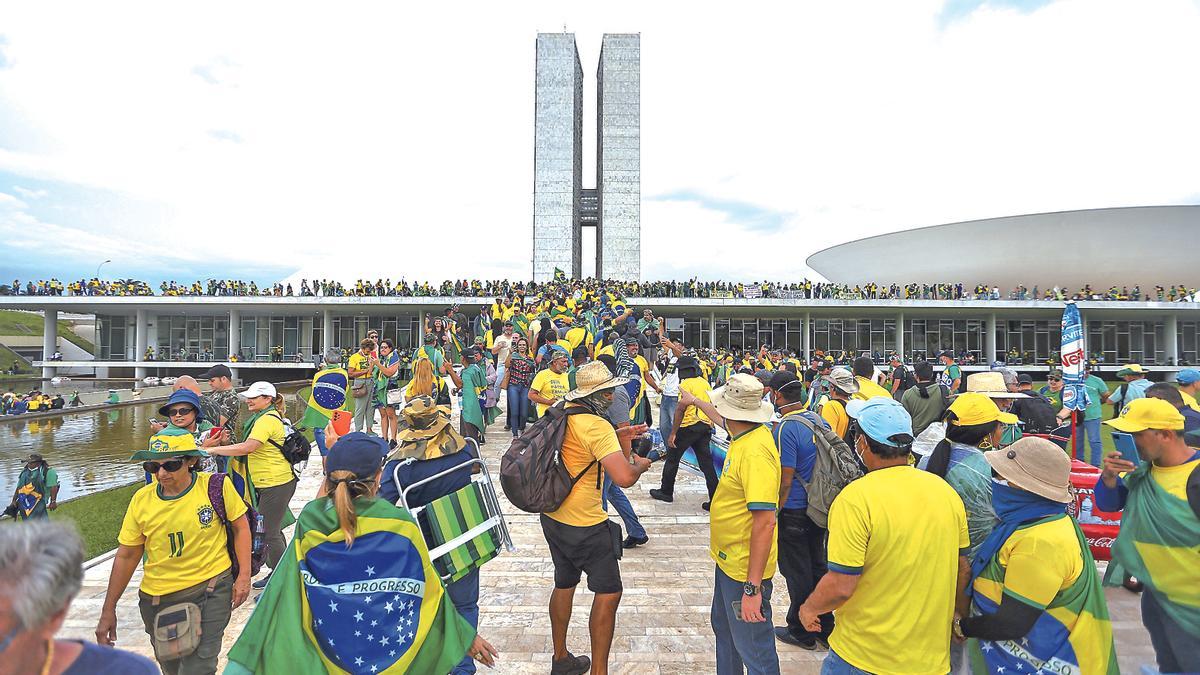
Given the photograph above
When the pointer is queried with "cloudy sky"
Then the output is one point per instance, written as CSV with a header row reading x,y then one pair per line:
x,y
251,140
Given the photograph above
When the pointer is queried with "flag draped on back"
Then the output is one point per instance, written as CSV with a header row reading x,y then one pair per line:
x,y
1074,357
377,607
329,390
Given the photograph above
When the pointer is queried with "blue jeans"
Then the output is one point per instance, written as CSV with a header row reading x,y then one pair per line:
x,y
518,408
613,493
742,647
836,665
319,437
464,593
666,415
1092,429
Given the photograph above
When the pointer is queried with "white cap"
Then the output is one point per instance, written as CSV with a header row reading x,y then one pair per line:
x,y
259,389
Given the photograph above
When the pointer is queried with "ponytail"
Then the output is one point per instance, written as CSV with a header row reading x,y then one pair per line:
x,y
345,488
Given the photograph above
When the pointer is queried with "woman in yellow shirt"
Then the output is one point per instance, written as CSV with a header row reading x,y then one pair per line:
x,y
174,524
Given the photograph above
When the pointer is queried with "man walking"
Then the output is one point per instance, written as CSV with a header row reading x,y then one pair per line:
x,y
742,528
690,428
578,532
1159,542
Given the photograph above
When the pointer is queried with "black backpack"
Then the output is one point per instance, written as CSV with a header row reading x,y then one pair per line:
x,y
295,447
532,472
258,535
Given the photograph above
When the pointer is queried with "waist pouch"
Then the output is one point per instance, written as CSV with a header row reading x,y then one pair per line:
x,y
176,632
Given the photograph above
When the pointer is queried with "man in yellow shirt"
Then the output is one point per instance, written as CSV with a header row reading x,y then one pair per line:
x,y
742,528
579,534
896,568
841,387
551,384
1188,380
690,428
864,370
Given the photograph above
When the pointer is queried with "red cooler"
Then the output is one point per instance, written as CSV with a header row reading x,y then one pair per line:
x,y
1099,527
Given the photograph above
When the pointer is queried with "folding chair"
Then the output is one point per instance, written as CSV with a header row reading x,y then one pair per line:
x,y
463,529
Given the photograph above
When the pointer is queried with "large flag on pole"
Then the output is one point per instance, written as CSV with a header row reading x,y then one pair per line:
x,y
1074,358
376,607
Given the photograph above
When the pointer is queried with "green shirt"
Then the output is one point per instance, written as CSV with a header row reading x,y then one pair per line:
x,y
1095,389
474,384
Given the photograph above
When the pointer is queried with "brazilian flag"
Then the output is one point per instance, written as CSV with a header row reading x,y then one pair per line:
x,y
376,607
559,275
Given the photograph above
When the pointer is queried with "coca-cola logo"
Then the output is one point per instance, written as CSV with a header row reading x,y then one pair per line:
x,y
1101,542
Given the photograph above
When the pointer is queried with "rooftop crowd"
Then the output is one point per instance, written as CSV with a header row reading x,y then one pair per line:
x,y
692,288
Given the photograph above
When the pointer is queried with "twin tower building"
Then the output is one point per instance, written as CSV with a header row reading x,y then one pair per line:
x,y
562,207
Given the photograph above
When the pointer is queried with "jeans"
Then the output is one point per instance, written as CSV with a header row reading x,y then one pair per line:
x,y
364,414
613,493
464,593
666,414
742,647
836,665
698,437
518,408
319,437
1174,649
1092,429
802,564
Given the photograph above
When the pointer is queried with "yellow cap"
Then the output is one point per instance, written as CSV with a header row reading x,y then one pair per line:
x,y
1147,413
974,408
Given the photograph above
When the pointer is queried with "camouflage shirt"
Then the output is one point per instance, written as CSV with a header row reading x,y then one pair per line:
x,y
222,403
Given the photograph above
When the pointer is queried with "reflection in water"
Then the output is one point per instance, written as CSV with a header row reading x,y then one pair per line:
x,y
90,451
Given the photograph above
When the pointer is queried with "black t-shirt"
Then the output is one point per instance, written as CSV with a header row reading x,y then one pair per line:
x,y
1035,412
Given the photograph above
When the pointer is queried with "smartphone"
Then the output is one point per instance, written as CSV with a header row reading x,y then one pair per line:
x,y
1125,445
736,605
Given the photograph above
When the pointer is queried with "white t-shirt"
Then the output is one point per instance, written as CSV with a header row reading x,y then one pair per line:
x,y
505,344
670,381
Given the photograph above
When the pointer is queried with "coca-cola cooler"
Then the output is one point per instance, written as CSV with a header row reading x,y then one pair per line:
x,y
1099,527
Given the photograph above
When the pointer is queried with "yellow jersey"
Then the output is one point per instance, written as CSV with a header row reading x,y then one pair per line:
x,y
587,438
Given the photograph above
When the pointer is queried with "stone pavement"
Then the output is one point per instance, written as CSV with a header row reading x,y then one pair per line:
x,y
662,625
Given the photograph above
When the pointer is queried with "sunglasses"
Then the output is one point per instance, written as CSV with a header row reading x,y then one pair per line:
x,y
182,410
171,466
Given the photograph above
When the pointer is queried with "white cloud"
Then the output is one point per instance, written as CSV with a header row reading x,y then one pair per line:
x,y
399,137
30,194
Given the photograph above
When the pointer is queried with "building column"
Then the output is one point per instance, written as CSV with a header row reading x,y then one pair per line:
x,y
806,338
989,340
1171,335
900,335
712,330
49,341
141,337
327,331
235,335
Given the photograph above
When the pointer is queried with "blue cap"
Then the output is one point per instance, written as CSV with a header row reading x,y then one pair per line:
x,y
358,453
881,418
1188,376
183,396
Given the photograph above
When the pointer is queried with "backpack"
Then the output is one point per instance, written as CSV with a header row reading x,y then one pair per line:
x,y
835,466
1124,401
258,533
905,377
295,447
532,472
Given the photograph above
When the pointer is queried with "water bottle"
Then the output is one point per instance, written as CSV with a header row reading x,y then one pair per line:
x,y
259,538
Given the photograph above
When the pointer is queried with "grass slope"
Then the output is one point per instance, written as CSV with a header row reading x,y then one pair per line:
x,y
13,322
97,517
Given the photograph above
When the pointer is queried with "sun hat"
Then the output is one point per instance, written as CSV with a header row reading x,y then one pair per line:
x,y
183,396
881,418
259,389
1035,465
1131,369
1147,413
974,408
990,384
741,399
170,442
844,380
359,453
1188,376
424,431
593,377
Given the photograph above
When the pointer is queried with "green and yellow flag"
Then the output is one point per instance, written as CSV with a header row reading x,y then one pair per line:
x,y
376,607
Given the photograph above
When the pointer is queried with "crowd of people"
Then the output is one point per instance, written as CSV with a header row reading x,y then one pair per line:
x,y
14,403
693,288
918,514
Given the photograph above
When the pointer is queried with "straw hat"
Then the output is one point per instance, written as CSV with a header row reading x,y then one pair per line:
x,y
1035,465
741,399
425,432
990,384
593,377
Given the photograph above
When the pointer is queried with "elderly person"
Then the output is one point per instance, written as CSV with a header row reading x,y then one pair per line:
x,y
43,571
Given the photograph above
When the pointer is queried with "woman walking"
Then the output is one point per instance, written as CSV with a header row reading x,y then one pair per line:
x,y
518,375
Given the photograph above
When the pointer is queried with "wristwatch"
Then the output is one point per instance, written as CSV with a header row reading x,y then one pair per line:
x,y
957,627
750,589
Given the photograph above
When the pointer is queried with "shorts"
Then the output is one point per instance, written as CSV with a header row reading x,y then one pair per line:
x,y
594,549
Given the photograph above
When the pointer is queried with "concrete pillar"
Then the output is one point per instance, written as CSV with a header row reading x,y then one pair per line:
x,y
900,336
1171,335
49,341
712,330
235,335
141,336
806,338
327,340
989,340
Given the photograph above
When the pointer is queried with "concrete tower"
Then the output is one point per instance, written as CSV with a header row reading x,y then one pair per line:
x,y
557,157
619,158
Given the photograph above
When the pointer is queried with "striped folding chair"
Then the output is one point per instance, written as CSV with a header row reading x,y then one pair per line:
x,y
463,529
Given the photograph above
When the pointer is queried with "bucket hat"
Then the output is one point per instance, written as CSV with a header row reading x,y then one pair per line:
x,y
844,380
425,432
990,384
183,396
170,442
593,377
1035,465
741,399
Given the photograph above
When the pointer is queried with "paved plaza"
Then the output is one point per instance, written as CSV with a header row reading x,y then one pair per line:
x,y
662,625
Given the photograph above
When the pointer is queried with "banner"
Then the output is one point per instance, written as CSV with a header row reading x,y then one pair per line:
x,y
721,294
751,292
790,294
1074,358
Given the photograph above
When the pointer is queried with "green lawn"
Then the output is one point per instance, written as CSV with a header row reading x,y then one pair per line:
x,y
13,322
7,356
97,517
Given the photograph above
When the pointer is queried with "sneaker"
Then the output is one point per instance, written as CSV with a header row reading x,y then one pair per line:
x,y
632,541
705,505
261,583
785,636
571,665
662,496
507,428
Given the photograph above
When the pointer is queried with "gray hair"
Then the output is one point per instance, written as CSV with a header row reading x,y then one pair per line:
x,y
43,569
